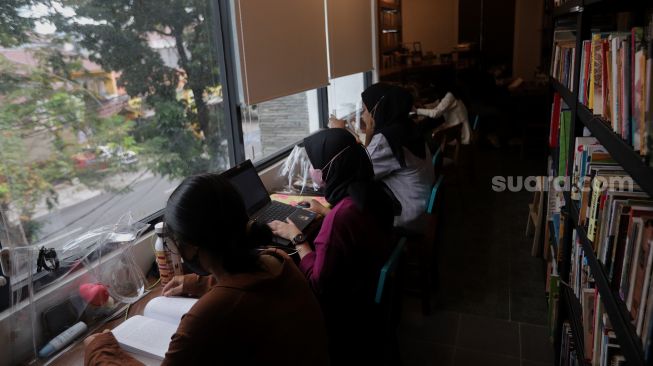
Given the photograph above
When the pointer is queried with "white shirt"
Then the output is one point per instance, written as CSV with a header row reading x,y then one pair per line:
x,y
454,112
411,185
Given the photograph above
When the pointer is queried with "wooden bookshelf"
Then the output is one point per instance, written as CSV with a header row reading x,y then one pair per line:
x,y
389,33
631,346
572,6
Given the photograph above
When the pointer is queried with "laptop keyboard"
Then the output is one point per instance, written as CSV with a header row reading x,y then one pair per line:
x,y
275,211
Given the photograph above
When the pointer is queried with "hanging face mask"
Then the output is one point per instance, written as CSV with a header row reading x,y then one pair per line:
x,y
318,176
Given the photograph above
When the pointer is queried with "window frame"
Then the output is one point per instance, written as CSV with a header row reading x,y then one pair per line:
x,y
226,55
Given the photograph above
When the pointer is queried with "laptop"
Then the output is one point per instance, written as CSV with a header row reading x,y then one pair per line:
x,y
258,203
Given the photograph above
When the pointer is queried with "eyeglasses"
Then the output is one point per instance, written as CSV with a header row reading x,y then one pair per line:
x,y
171,246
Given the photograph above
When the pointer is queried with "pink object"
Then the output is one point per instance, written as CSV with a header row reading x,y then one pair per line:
x,y
94,293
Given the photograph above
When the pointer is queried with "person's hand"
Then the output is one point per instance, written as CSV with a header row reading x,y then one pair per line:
x,y
287,230
92,337
369,131
336,123
317,207
174,287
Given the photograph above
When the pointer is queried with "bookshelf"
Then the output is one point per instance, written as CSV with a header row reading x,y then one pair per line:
x,y
580,13
574,314
623,153
616,309
389,33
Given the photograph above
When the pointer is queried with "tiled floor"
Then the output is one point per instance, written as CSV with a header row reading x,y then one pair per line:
x,y
491,307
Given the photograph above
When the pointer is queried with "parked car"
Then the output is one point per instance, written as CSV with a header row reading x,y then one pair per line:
x,y
88,159
126,157
99,158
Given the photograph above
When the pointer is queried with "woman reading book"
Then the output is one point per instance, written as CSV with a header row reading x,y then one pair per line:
x,y
353,244
254,307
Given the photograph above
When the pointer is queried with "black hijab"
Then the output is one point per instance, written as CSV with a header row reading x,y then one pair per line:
x,y
350,174
390,106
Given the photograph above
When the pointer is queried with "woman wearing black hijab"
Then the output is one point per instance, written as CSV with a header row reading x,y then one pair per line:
x,y
353,244
399,154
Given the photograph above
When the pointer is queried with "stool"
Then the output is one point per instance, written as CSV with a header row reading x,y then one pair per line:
x,y
535,219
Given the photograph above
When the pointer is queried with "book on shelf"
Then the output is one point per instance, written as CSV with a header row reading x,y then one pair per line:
x,y
568,355
618,219
149,335
615,82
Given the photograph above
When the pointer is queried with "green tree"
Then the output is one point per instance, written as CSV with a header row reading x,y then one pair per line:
x,y
15,25
184,136
41,105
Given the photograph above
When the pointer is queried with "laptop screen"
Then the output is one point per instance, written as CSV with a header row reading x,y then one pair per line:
x,y
247,182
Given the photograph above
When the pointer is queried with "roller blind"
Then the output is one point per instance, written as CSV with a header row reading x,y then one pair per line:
x,y
350,36
282,47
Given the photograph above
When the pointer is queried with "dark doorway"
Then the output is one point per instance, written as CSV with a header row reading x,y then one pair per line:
x,y
491,25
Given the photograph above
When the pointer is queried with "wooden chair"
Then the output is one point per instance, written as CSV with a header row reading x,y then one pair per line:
x,y
450,138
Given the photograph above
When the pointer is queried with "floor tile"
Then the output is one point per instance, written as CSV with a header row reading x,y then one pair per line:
x,y
531,363
439,327
488,335
415,353
474,358
535,344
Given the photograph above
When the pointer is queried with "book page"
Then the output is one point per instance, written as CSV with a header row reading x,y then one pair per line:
x,y
143,335
168,309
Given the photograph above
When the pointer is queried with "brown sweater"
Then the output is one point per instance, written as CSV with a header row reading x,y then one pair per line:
x,y
269,318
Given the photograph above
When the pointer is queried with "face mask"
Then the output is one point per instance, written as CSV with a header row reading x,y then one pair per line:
x,y
316,174
194,265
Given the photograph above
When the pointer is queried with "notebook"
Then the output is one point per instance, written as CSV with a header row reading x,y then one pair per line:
x,y
149,334
258,203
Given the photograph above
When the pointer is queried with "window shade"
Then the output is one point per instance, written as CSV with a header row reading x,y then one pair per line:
x,y
282,47
350,36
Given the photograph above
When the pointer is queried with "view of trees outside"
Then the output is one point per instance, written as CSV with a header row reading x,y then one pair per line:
x,y
104,106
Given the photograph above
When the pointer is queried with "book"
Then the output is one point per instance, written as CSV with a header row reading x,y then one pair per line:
x,y
149,334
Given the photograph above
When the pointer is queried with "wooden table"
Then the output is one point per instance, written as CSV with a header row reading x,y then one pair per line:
x,y
74,353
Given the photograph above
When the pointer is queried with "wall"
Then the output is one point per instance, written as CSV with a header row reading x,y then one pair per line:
x,y
528,37
432,22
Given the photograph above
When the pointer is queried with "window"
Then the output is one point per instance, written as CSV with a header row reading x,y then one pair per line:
x,y
344,94
105,107
273,125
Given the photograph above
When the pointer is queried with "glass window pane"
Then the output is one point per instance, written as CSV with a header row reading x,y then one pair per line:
x,y
105,108
270,126
345,95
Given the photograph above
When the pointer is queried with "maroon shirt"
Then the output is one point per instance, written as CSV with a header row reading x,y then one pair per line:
x,y
343,271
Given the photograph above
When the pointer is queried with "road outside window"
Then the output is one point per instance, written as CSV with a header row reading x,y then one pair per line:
x,y
105,106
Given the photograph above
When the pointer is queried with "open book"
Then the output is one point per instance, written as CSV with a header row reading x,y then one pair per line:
x,y
149,334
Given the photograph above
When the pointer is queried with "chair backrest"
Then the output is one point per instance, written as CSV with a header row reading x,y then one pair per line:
x,y
437,158
388,270
430,204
